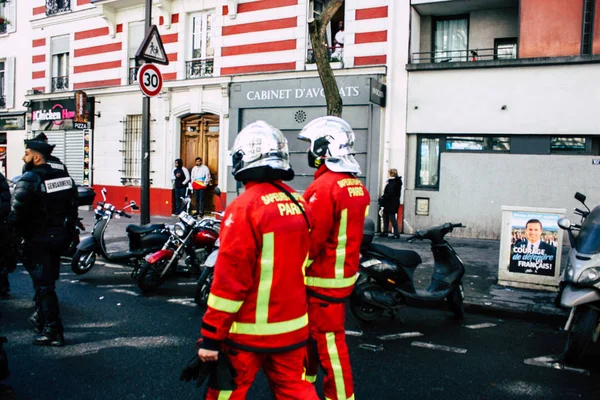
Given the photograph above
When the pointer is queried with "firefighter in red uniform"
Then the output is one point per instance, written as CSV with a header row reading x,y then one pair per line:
x,y
338,203
257,308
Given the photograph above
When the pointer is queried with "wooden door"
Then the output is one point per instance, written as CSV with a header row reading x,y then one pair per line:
x,y
200,138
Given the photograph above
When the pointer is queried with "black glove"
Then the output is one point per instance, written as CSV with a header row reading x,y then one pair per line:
x,y
223,376
196,369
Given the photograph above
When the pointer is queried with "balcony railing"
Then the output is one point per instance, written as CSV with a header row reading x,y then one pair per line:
x,y
336,54
60,84
199,68
57,6
443,56
133,74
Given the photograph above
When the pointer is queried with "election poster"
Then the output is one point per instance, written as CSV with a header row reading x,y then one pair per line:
x,y
534,240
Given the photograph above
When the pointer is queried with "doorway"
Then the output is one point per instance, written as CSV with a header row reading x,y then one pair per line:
x,y
200,138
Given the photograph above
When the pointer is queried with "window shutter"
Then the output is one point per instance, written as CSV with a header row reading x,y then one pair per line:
x,y
10,82
137,32
11,15
60,44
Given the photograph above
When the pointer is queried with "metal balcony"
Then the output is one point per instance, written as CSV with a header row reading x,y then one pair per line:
x,y
54,7
60,84
199,68
444,56
133,74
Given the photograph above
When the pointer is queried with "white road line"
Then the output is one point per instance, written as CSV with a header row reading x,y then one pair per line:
x,y
114,266
438,347
184,302
66,273
186,283
80,282
480,326
372,347
400,335
122,273
124,291
115,286
353,333
552,362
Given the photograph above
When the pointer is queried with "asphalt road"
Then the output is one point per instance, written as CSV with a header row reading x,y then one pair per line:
x,y
121,345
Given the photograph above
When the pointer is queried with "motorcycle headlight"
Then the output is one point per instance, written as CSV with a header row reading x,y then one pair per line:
x,y
590,276
569,272
179,229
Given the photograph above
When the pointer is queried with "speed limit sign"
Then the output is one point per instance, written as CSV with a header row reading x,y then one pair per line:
x,y
150,80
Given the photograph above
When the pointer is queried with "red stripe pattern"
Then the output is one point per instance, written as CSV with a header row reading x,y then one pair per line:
x,y
96,84
38,74
38,42
91,33
97,66
106,48
39,10
260,26
372,13
259,48
261,5
38,59
258,68
370,37
370,60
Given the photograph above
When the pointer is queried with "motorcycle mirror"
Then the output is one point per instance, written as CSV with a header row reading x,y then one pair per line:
x,y
217,191
580,197
564,223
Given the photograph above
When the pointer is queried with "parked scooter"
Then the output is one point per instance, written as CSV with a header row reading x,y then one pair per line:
x,y
581,283
385,279
191,237
206,277
142,239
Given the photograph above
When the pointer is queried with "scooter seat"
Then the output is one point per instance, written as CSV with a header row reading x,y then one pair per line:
x,y
406,258
137,229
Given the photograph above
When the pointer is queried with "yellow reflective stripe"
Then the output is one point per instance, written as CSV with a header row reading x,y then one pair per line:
x,y
336,365
221,304
340,252
330,283
273,328
349,398
310,378
225,394
367,211
266,278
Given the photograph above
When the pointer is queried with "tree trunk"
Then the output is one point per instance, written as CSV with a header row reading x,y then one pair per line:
x,y
317,29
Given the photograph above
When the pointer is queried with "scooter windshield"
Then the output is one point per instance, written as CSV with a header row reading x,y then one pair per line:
x,y
588,240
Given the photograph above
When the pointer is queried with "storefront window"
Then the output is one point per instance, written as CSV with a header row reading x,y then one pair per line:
x,y
567,144
428,164
480,143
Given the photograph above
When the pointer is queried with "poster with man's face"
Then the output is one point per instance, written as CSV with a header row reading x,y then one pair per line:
x,y
534,242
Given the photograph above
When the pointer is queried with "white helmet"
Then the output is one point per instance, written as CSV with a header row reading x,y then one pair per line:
x,y
331,140
260,152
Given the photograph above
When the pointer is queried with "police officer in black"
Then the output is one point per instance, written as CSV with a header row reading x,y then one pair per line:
x,y
53,161
44,206
5,251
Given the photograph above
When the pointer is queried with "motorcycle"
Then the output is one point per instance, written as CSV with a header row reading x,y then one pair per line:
x,y
194,238
385,278
206,277
580,284
142,239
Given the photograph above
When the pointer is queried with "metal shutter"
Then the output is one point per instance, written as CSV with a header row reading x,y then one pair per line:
x,y
69,149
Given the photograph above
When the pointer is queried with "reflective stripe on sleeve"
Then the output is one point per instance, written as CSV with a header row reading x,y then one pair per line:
x,y
225,305
340,251
330,283
266,278
273,328
225,394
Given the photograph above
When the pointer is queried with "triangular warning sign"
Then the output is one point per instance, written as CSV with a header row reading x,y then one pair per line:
x,y
152,49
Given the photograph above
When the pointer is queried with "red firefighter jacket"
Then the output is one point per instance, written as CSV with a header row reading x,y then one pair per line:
x,y
338,203
258,298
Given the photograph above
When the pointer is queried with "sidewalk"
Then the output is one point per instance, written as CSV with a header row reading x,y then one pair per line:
x,y
482,294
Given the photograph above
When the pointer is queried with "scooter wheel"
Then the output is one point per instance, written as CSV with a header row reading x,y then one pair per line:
x,y
456,301
82,261
149,278
579,340
361,310
203,287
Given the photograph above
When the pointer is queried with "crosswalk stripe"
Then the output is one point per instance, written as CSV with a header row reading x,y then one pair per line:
x,y
552,362
400,335
480,326
439,347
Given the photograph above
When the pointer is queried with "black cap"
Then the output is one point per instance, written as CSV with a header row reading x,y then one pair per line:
x,y
41,147
41,136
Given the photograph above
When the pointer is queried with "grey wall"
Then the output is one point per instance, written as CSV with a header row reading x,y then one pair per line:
x,y
485,26
473,187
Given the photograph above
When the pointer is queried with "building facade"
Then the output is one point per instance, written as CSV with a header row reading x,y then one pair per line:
x,y
224,56
502,98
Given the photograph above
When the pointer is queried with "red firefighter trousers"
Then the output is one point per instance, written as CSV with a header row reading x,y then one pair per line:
x,y
284,371
327,347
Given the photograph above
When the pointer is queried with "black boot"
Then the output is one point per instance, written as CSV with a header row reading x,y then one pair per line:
x,y
36,322
51,336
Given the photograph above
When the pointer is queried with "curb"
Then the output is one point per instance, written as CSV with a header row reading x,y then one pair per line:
x,y
549,317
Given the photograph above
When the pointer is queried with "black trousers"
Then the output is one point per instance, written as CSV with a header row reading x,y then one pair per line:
x,y
387,218
199,200
42,260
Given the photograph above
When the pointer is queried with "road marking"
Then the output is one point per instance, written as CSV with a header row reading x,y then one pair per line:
x,y
552,362
480,326
122,273
66,273
372,347
114,266
124,291
78,282
115,286
353,333
438,347
186,283
400,335
184,302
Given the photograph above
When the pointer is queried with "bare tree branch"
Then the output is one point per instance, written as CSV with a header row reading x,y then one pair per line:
x,y
317,29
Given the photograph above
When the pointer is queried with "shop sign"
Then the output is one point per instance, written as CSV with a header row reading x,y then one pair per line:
x,y
596,161
61,114
81,112
530,246
377,94
12,122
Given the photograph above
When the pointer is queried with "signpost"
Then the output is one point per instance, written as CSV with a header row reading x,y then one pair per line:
x,y
150,81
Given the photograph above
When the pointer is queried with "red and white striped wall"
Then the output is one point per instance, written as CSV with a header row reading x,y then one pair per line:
x,y
366,32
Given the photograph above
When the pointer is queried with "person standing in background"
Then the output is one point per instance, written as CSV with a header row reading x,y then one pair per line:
x,y
200,180
182,178
390,202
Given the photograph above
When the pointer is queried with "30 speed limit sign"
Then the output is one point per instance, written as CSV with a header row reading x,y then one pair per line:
x,y
150,80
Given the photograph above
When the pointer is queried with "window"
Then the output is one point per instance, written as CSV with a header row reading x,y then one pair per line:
x,y
8,16
136,36
60,63
505,49
428,162
481,143
3,19
568,144
588,26
132,151
335,35
451,39
7,82
2,85
57,6
202,52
